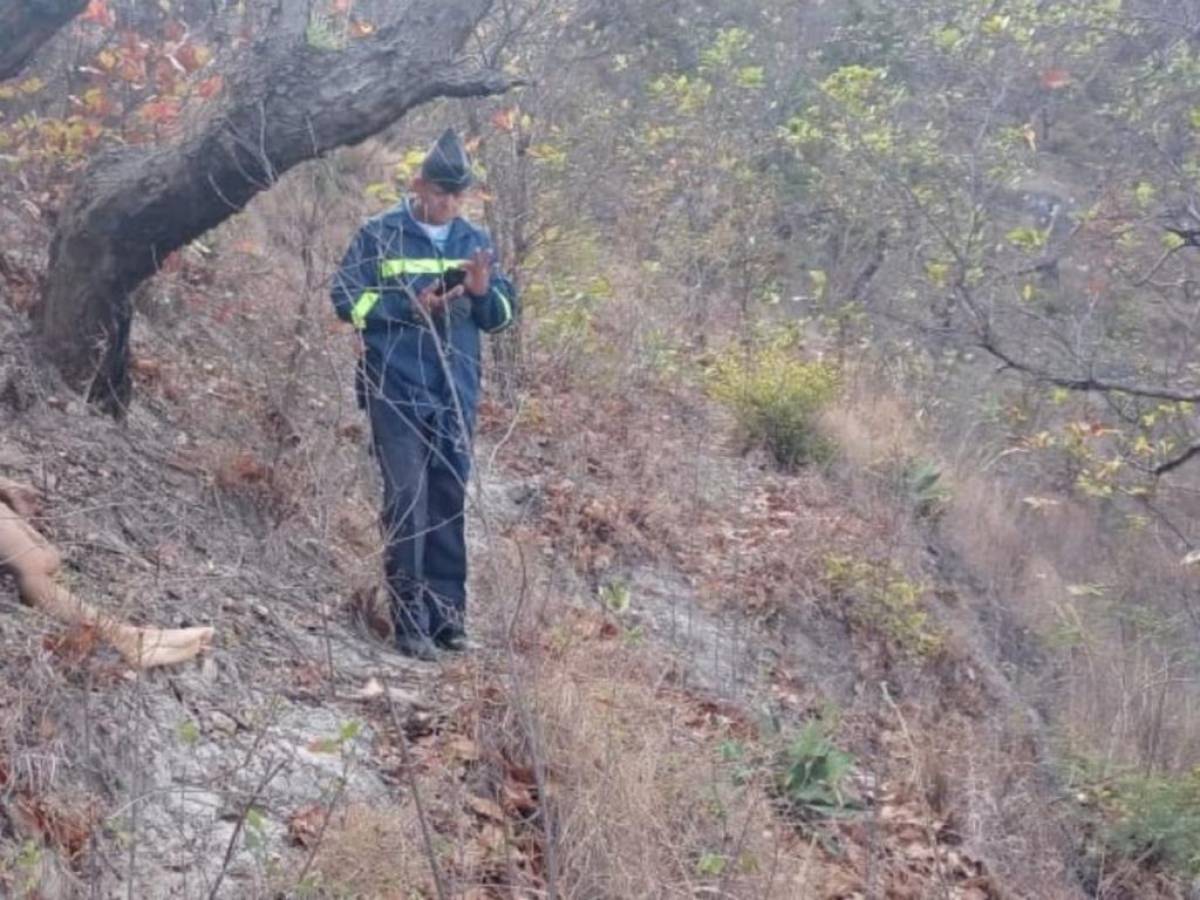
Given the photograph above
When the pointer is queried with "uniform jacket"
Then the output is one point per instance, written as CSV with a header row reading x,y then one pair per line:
x,y
429,364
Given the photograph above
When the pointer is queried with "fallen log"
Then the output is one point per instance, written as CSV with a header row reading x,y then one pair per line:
x,y
33,561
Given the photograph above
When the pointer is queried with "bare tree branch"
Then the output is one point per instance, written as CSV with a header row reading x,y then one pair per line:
x,y
1088,383
1172,464
289,101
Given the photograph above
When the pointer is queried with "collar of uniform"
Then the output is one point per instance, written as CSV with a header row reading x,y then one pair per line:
x,y
402,215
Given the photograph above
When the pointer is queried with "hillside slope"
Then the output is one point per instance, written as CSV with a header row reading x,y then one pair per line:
x,y
627,566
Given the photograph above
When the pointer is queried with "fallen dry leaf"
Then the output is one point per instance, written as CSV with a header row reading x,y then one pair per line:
x,y
487,809
305,825
462,748
518,798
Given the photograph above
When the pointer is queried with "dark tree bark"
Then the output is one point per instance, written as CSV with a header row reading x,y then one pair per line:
x,y
27,24
288,102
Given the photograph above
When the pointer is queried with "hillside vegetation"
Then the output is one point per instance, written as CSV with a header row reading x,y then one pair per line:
x,y
832,527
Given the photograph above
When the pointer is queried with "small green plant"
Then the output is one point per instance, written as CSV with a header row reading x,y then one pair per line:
x,y
21,868
188,733
812,773
923,485
882,598
323,34
343,743
616,597
254,833
775,397
710,865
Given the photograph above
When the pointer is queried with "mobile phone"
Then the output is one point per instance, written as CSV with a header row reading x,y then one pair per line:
x,y
451,279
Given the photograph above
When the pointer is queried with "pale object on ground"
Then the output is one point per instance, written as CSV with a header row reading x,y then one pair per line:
x,y
373,688
33,562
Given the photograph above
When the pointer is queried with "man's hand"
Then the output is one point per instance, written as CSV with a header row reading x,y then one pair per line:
x,y
433,302
479,273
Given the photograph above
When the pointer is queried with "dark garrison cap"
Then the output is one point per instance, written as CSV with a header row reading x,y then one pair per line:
x,y
447,164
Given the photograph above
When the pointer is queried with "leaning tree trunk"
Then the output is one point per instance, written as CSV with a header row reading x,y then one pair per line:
x,y
288,102
27,24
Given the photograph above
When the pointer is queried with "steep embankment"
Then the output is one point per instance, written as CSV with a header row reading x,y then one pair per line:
x,y
666,623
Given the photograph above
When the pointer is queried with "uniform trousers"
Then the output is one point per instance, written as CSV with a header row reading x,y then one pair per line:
x,y
425,463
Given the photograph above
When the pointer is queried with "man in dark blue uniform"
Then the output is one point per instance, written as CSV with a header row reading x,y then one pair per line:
x,y
420,284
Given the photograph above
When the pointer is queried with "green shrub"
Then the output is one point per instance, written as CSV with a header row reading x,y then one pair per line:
x,y
922,484
1157,820
811,775
775,398
1151,821
881,598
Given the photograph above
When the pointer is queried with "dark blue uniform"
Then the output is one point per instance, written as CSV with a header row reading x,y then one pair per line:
x,y
419,381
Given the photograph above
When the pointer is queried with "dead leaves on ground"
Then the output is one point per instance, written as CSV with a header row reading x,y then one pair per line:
x,y
65,826
915,855
506,839
596,530
304,827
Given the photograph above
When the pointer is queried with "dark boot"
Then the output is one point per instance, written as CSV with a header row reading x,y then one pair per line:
x,y
452,638
415,646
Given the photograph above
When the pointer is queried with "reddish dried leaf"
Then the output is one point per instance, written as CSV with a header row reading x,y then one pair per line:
x,y
98,13
305,825
148,368
166,77
131,70
67,828
505,119
1055,79
523,775
73,646
192,57
210,87
160,112
241,469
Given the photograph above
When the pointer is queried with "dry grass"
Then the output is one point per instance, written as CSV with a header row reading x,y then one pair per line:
x,y
369,851
1101,603
872,428
1089,608
641,801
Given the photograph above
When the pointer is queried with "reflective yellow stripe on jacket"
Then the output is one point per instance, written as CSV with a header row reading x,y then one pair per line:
x,y
362,307
390,268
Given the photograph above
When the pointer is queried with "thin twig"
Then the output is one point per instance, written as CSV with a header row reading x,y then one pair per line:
x,y
411,776
241,821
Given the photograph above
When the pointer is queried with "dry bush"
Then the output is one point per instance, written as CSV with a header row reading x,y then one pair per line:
x,y
989,798
368,851
871,428
1088,606
640,802
1118,674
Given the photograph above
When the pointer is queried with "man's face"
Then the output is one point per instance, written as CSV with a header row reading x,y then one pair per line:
x,y
436,206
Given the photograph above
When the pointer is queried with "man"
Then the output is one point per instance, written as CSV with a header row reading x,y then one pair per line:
x,y
420,284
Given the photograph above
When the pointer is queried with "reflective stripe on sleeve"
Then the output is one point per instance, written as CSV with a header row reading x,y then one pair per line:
x,y
390,268
362,308
504,301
